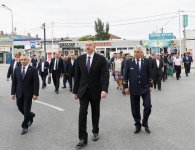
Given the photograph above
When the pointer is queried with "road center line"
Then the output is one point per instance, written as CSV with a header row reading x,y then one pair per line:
x,y
49,105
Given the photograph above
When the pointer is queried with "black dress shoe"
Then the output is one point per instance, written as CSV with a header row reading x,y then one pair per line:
x,y
137,130
31,120
81,144
147,129
63,87
57,92
95,137
24,131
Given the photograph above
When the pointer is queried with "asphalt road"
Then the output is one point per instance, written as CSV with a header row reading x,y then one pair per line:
x,y
172,121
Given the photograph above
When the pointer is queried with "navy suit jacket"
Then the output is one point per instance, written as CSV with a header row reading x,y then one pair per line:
x,y
187,61
28,86
139,81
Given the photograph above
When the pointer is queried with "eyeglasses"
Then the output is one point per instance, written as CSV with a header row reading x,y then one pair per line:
x,y
23,59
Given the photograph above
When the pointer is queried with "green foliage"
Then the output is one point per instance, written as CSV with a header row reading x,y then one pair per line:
x,y
102,33
87,38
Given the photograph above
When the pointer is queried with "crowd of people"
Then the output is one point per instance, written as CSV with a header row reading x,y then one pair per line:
x,y
88,77
162,66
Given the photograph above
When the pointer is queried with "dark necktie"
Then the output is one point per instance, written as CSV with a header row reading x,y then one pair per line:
x,y
88,63
138,67
23,72
18,64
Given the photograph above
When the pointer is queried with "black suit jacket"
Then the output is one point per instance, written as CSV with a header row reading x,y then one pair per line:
x,y
96,80
28,86
155,69
70,69
10,71
46,67
60,66
34,62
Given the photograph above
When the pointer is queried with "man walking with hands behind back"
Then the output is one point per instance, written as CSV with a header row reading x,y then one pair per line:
x,y
91,84
139,74
57,69
25,87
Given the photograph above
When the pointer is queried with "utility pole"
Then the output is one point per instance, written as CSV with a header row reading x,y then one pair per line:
x,y
180,31
185,24
44,41
52,24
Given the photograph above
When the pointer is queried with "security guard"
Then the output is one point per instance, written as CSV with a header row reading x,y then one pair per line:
x,y
138,72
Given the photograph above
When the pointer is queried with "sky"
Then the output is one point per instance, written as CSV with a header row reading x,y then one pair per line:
x,y
128,19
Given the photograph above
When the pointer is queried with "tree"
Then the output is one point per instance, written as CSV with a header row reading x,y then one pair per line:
x,y
101,32
87,38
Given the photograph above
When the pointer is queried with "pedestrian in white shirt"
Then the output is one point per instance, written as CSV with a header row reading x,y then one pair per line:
x,y
177,65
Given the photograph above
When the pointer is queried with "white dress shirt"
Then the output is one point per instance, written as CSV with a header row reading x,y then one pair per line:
x,y
42,66
72,62
26,68
55,63
15,63
158,62
177,61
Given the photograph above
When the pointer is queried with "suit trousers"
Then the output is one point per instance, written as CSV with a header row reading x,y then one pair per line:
x,y
83,111
43,77
157,80
24,105
135,108
187,68
178,71
56,79
65,79
71,81
164,75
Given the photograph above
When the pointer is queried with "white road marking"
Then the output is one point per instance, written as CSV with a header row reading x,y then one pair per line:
x,y
49,105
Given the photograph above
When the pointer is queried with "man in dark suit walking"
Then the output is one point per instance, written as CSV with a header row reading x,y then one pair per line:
x,y
157,71
56,68
34,61
187,60
13,65
138,72
165,61
43,67
91,84
70,70
25,87
65,77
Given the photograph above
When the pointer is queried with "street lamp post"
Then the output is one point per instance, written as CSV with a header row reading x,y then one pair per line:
x,y
12,21
4,6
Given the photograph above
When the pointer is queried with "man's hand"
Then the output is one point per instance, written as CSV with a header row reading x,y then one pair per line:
x,y
103,94
35,97
13,97
7,79
75,96
61,75
127,91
